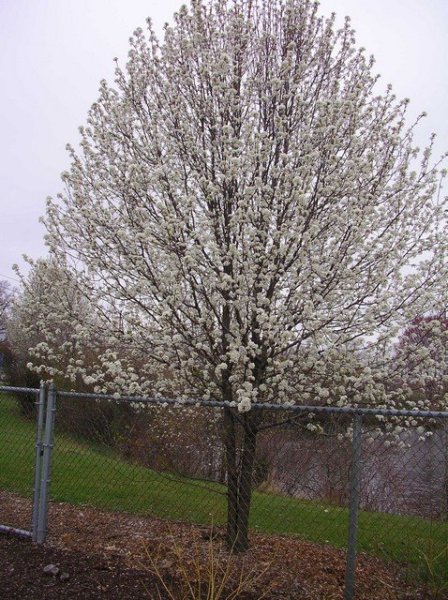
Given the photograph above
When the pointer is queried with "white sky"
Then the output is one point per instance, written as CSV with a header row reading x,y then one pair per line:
x,y
53,54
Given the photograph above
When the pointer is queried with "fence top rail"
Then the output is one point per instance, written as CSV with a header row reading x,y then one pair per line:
x,y
298,408
294,408
18,390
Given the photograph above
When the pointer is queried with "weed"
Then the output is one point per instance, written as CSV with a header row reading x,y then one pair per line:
x,y
195,573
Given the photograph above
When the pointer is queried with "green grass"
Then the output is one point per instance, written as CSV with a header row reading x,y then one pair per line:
x,y
84,473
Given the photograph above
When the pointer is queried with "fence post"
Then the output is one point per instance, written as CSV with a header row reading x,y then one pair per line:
x,y
40,405
355,476
42,517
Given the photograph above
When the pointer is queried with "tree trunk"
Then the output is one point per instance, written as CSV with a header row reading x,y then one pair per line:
x,y
239,479
245,483
232,476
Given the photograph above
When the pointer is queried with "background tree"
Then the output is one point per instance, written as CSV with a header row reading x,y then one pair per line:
x,y
47,300
5,302
421,360
6,296
249,219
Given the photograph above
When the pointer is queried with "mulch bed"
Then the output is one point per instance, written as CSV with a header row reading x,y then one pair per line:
x,y
89,577
115,556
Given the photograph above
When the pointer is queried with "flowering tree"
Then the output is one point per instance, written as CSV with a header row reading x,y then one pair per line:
x,y
30,313
248,215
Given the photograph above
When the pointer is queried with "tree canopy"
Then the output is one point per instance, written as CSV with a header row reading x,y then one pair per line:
x,y
245,210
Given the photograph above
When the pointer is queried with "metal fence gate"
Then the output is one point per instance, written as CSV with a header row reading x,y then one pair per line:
x,y
33,470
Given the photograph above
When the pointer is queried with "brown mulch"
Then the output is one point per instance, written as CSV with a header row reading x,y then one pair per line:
x,y
114,556
22,575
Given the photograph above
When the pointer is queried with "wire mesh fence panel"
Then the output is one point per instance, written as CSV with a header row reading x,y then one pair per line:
x,y
170,462
301,477
150,460
399,512
404,493
18,413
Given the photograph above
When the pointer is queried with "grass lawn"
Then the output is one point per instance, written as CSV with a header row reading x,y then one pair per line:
x,y
86,474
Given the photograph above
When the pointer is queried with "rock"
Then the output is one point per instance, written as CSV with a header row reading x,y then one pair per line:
x,y
64,576
51,570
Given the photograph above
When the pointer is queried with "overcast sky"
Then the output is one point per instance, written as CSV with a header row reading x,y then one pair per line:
x,y
53,54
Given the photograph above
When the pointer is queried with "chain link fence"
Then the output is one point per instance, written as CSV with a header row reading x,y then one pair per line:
x,y
359,479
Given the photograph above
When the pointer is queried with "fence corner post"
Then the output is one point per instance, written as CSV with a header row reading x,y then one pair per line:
x,y
42,514
355,476
40,413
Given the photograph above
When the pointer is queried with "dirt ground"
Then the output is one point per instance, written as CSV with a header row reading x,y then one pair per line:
x,y
117,556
